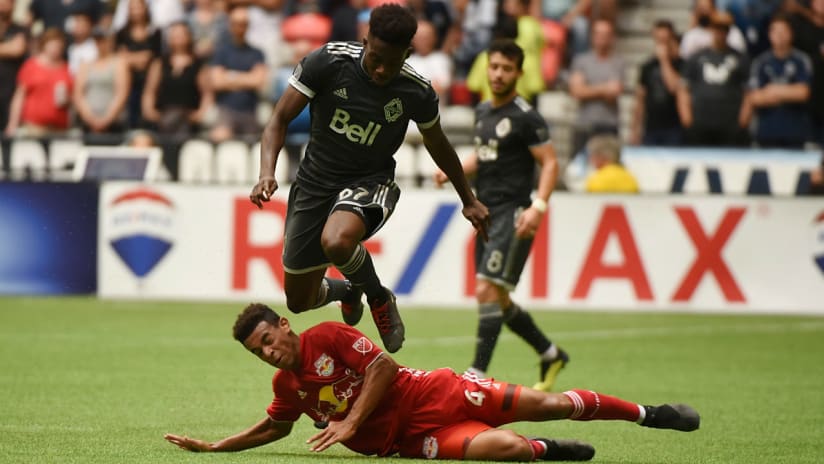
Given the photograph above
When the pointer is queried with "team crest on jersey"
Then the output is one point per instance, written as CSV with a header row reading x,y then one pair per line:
x,y
302,394
393,110
363,345
430,447
503,128
324,365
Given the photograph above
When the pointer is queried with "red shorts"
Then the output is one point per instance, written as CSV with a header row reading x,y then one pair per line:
x,y
450,410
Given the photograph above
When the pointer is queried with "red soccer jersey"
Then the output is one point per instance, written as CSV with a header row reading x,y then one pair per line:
x,y
48,91
334,358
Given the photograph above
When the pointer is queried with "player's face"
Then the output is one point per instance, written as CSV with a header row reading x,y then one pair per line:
x,y
275,344
503,74
382,61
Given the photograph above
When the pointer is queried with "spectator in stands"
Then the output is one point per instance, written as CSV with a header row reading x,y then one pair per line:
x,y
576,16
238,73
434,12
779,90
345,21
700,36
711,95
101,90
163,13
808,32
12,53
140,43
752,17
83,48
531,82
609,176
477,19
597,82
655,119
208,25
265,19
55,13
430,62
177,93
40,105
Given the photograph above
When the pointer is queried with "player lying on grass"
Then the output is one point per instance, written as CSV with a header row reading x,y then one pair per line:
x,y
366,401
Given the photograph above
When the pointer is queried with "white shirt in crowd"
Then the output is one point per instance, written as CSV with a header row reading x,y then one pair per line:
x,y
699,38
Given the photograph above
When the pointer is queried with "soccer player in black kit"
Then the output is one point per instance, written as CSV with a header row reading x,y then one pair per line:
x,y
361,97
510,136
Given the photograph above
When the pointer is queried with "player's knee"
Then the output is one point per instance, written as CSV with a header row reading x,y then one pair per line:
x,y
501,445
554,406
338,247
298,303
485,291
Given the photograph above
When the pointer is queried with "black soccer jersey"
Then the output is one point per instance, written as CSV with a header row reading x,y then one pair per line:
x,y
356,125
503,137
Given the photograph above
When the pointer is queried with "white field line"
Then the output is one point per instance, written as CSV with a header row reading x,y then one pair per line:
x,y
639,332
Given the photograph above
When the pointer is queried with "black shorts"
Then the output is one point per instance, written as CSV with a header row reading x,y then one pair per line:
x,y
501,260
306,216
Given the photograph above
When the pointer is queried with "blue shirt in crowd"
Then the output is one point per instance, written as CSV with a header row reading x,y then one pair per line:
x,y
242,58
787,123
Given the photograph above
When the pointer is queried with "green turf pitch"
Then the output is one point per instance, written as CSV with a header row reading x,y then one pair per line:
x,y
87,381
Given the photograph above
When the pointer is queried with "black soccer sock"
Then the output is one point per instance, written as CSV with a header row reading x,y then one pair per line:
x,y
490,321
332,290
361,272
520,322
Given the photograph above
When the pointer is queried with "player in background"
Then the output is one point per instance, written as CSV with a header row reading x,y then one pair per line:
x,y
366,401
510,136
361,97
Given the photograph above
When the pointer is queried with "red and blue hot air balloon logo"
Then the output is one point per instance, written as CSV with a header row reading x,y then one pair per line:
x,y
818,251
142,229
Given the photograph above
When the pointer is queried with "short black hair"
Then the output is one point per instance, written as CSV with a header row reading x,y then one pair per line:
x,y
509,49
393,24
782,18
665,24
251,316
505,28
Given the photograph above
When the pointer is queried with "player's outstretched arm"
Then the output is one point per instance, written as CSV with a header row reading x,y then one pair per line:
x,y
376,382
265,431
289,106
443,154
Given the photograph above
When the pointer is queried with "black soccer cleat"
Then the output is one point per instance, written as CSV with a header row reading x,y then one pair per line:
x,y
388,321
566,450
351,307
549,371
672,416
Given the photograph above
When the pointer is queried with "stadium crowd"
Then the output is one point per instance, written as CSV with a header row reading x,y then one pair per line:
x,y
744,73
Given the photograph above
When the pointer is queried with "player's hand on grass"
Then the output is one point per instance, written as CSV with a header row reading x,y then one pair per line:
x,y
189,444
527,223
440,178
263,190
477,214
335,432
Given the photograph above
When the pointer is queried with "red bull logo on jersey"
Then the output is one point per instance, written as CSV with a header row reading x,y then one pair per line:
x,y
430,447
334,398
354,132
818,244
142,226
324,365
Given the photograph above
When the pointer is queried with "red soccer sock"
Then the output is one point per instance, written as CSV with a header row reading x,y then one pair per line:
x,y
589,405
